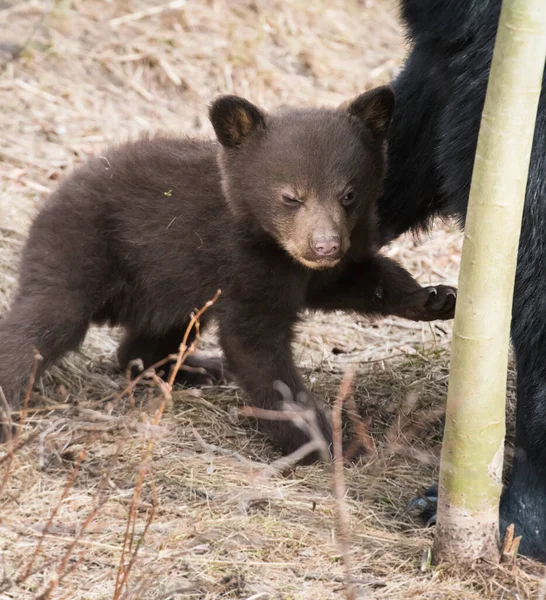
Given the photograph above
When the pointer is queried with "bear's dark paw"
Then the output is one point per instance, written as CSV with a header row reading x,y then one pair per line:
x,y
425,505
196,371
429,304
439,302
528,518
199,370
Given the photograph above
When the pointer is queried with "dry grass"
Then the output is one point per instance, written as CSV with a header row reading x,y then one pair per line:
x,y
223,525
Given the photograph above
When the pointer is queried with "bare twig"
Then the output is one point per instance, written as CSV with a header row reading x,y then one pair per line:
x,y
41,409
149,520
67,488
37,360
288,461
5,413
224,452
361,431
510,545
338,484
8,458
275,415
123,570
179,358
194,323
302,417
134,382
62,571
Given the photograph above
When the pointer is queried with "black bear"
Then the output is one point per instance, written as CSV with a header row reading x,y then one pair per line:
x,y
279,213
440,95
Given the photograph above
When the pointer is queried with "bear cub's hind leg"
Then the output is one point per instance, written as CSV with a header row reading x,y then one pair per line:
x,y
196,371
52,324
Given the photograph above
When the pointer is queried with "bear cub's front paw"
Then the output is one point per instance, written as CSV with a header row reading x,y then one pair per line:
x,y
434,303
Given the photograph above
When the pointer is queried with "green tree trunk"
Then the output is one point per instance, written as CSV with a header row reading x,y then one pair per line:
x,y
472,454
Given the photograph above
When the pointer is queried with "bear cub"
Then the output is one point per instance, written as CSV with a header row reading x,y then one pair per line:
x,y
279,213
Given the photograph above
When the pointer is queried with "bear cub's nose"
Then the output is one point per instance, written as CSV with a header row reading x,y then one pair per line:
x,y
326,246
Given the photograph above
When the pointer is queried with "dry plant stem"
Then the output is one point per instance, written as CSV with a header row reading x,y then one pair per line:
x,y
61,569
13,442
123,570
5,412
8,458
338,484
43,409
134,555
122,573
288,461
6,585
37,360
224,452
472,453
361,431
67,488
9,455
193,324
180,357
305,419
131,386
274,415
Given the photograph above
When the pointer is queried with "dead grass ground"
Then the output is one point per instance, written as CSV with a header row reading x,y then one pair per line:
x,y
95,71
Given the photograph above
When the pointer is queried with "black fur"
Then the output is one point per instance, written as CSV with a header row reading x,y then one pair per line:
x,y
439,96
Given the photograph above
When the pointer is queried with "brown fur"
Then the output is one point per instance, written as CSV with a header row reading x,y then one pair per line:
x,y
141,236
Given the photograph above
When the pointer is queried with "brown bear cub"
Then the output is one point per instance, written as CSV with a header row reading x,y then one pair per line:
x,y
279,214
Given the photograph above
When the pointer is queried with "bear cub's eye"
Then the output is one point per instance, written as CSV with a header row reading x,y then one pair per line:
x,y
291,201
348,198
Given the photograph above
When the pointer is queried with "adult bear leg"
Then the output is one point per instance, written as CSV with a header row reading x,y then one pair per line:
x,y
524,500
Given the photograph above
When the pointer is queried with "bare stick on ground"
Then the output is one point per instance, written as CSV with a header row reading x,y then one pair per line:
x,y
472,454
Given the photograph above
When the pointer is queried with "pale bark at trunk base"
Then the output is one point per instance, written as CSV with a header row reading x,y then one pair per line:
x,y
462,538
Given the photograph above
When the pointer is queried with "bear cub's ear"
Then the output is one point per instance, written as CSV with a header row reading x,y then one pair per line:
x,y
374,108
234,118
